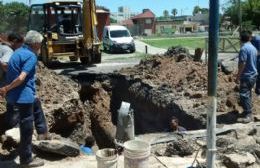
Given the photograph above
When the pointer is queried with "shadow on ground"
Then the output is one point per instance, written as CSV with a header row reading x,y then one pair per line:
x,y
228,118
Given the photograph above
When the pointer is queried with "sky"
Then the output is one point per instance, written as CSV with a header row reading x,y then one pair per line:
x,y
184,7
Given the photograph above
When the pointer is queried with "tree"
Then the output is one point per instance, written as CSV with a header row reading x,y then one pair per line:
x,y
196,10
112,20
14,17
204,10
174,12
250,13
166,13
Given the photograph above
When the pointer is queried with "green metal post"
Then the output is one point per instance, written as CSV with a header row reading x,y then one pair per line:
x,y
212,81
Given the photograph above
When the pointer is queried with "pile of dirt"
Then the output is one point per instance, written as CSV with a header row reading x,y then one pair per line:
x,y
187,81
178,52
98,99
77,111
66,115
53,89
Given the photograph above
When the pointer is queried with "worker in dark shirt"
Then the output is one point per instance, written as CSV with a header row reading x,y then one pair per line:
x,y
256,43
174,125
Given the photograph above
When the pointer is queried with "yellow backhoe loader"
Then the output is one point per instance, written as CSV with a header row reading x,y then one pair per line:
x,y
69,30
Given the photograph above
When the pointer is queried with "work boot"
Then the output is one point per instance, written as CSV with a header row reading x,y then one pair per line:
x,y
247,119
36,162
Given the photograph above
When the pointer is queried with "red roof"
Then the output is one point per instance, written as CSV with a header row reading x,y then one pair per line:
x,y
146,14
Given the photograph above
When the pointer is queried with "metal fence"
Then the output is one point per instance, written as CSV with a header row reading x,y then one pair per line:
x,y
226,45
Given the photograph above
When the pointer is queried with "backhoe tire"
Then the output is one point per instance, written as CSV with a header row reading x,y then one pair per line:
x,y
105,48
84,60
97,58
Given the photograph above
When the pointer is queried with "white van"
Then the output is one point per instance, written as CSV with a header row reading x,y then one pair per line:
x,y
117,38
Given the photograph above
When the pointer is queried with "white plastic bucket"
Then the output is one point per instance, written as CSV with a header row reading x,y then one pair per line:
x,y
106,158
136,154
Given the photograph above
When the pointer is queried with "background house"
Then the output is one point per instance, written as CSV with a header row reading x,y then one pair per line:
x,y
182,24
123,13
144,23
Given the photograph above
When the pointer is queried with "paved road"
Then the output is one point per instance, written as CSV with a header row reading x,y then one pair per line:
x,y
109,63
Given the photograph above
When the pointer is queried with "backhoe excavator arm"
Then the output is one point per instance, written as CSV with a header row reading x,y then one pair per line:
x,y
89,24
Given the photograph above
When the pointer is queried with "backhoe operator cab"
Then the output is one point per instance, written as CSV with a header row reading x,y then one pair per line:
x,y
61,24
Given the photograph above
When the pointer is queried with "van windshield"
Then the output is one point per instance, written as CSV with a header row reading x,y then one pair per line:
x,y
119,33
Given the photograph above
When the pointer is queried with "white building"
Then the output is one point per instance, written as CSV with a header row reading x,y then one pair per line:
x,y
123,13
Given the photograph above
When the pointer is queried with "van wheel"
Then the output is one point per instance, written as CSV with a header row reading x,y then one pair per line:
x,y
111,50
104,48
132,50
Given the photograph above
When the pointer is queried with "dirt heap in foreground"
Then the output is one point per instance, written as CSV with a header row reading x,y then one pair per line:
x,y
66,113
187,80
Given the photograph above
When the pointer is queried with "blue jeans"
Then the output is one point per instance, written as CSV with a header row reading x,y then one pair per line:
x,y
26,130
257,87
12,117
245,93
25,115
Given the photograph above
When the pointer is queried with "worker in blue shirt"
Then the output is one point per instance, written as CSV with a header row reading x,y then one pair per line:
x,y
15,41
20,92
246,75
256,43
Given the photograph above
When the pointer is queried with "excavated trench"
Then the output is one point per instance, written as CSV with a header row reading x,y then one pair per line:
x,y
153,107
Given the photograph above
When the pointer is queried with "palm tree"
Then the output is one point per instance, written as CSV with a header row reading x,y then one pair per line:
x,y
174,12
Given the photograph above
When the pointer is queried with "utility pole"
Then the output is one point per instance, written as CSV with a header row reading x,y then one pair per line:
x,y
212,81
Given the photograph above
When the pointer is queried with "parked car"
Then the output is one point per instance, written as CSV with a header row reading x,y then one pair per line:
x,y
117,38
